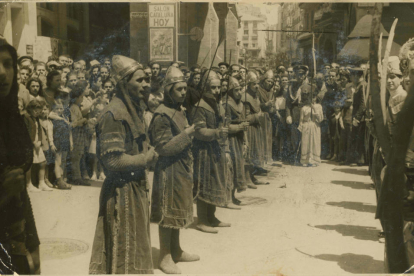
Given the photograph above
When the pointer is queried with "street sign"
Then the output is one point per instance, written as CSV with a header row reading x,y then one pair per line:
x,y
196,34
161,15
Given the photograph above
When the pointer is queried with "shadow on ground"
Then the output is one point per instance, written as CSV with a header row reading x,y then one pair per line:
x,y
251,200
353,263
353,184
357,232
352,171
356,206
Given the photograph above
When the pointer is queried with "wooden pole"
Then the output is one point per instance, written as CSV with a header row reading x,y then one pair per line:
x,y
385,68
313,55
389,209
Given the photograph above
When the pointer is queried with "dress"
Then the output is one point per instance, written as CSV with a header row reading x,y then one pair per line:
x,y
172,193
79,134
311,134
210,164
122,243
38,155
255,151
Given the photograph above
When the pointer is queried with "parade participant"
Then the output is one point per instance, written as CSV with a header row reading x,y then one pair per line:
x,y
18,234
254,156
224,67
172,194
281,126
293,112
311,115
122,245
210,164
266,97
237,138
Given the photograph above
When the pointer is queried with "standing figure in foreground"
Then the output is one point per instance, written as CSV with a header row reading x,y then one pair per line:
x,y
122,242
18,234
172,194
210,165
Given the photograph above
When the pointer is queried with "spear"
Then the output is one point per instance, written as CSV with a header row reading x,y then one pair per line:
x,y
389,209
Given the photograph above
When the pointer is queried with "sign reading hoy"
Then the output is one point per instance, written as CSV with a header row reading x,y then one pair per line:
x,y
161,15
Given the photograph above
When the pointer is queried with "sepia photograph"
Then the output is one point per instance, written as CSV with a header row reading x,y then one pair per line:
x,y
206,138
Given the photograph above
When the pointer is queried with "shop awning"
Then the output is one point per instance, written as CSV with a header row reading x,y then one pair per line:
x,y
356,51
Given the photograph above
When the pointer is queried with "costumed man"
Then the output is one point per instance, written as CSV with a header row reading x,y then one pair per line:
x,y
122,243
267,99
254,157
293,112
237,136
172,194
210,160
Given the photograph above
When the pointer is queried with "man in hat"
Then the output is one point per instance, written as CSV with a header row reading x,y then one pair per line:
x,y
223,68
122,239
266,97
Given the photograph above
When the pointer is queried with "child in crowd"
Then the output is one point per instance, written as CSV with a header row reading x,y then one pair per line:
x,y
34,109
96,110
62,137
48,146
336,121
79,134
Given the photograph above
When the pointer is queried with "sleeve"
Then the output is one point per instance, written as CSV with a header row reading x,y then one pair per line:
x,y
300,127
112,146
319,114
361,108
163,140
201,131
251,118
50,131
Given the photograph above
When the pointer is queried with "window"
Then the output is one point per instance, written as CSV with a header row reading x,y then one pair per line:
x,y
246,32
73,10
46,28
254,25
48,6
255,32
246,24
254,37
253,45
245,45
245,38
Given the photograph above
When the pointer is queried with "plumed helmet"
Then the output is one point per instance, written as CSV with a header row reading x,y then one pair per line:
x,y
394,66
208,77
174,75
251,77
406,54
124,66
233,83
268,75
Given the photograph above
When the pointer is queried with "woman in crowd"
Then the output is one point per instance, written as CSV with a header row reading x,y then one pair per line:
x,y
193,95
210,164
21,243
172,194
104,73
35,87
52,90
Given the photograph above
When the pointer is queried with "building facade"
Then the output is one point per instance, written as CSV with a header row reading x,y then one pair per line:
x,y
253,41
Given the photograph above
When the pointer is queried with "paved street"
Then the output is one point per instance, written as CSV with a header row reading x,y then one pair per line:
x,y
313,221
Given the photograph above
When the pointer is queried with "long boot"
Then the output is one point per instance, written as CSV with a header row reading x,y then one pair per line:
x,y
178,255
233,197
248,178
203,223
254,179
215,222
165,261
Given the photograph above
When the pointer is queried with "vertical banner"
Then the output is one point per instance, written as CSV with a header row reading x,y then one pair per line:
x,y
162,18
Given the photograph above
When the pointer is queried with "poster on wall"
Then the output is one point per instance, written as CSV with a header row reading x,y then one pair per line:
x,y
162,44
